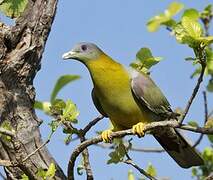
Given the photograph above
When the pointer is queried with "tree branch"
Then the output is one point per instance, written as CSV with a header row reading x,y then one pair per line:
x,y
194,93
205,118
6,132
137,149
130,162
91,124
119,134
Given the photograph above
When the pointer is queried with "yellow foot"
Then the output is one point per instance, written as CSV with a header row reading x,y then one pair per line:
x,y
106,136
138,129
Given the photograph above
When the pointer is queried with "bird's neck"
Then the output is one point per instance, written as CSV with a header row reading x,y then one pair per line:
x,y
106,72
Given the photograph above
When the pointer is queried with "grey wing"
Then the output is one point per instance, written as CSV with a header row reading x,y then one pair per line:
x,y
148,95
98,104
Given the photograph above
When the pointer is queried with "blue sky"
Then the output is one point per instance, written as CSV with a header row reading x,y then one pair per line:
x,y
119,28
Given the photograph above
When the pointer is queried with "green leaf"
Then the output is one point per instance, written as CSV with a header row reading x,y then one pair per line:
x,y
210,86
41,173
194,172
57,107
68,139
193,123
209,61
196,72
174,8
70,112
189,59
154,23
193,28
165,18
207,12
131,175
151,170
206,40
51,171
24,177
43,106
13,8
117,155
208,154
61,82
80,169
144,56
193,14
209,123
6,125
210,137
54,125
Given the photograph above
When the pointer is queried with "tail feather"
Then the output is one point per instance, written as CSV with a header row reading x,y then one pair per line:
x,y
178,148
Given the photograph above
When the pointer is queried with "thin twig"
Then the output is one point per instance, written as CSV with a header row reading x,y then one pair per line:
x,y
119,134
194,92
40,147
7,132
148,150
87,166
91,124
85,153
205,107
137,149
205,118
130,162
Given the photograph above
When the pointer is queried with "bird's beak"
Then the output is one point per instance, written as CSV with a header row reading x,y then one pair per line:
x,y
69,55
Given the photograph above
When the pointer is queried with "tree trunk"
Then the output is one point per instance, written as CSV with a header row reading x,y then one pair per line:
x,y
21,48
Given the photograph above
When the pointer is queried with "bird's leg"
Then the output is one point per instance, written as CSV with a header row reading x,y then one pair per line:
x,y
106,135
139,129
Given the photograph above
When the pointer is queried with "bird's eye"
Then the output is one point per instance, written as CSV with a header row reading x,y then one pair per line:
x,y
84,47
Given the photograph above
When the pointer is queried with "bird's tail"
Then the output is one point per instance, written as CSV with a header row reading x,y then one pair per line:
x,y
178,148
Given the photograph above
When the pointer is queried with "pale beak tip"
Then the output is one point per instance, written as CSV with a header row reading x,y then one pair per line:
x,y
65,56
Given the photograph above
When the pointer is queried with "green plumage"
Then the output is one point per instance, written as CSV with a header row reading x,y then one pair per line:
x,y
132,101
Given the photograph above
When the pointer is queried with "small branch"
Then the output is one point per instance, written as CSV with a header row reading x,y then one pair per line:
x,y
148,150
87,166
195,90
85,153
205,107
205,118
137,149
40,147
119,134
130,162
7,132
91,124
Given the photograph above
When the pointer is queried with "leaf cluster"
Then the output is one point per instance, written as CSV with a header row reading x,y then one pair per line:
x,y
189,30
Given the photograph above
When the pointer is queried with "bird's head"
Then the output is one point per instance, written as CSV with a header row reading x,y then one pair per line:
x,y
83,52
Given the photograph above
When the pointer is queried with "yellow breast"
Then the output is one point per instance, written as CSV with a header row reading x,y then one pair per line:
x,y
112,87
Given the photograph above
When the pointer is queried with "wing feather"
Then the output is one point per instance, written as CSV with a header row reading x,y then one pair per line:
x,y
149,95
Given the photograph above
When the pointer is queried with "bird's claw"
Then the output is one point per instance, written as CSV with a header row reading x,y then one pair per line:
x,y
138,129
106,136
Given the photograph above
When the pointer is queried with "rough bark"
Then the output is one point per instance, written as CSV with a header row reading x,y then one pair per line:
x,y
21,48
